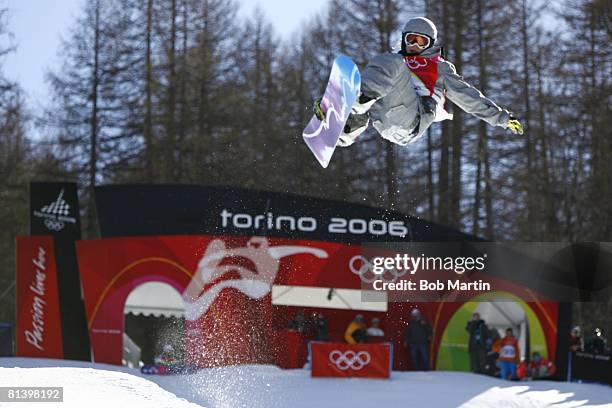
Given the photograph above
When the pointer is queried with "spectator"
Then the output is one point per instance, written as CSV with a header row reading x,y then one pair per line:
x,y
374,330
167,356
319,325
299,323
492,355
597,344
539,367
418,336
509,355
477,346
576,341
356,331
492,337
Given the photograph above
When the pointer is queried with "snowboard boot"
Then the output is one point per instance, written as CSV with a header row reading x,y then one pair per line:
x,y
355,125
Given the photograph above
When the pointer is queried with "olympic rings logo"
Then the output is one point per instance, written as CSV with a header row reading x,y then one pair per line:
x,y
54,225
413,63
350,359
362,267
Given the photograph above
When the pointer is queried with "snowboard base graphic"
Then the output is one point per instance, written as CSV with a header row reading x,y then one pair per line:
x,y
340,94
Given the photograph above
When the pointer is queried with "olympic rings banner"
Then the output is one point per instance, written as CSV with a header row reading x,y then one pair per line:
x,y
351,360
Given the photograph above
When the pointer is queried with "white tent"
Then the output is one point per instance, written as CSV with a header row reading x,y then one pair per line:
x,y
157,299
503,314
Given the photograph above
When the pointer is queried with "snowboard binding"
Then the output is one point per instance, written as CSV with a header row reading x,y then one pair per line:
x,y
318,110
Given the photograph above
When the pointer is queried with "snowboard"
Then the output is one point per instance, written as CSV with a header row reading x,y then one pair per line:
x,y
340,94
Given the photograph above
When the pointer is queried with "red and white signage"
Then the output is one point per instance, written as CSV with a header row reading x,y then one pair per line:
x,y
38,331
351,360
227,282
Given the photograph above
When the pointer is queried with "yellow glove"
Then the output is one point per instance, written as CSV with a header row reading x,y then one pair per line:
x,y
514,125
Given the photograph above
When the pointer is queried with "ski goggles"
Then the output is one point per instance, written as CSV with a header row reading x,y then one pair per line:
x,y
420,40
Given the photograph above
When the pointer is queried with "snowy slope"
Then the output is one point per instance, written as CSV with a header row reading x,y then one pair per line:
x,y
93,385
86,385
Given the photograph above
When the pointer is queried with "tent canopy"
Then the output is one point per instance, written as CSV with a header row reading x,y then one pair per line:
x,y
502,314
156,299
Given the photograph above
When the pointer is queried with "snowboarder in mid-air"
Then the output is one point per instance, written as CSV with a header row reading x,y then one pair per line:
x,y
403,93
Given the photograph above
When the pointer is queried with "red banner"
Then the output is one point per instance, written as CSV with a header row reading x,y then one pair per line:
x,y
226,286
38,331
225,283
350,360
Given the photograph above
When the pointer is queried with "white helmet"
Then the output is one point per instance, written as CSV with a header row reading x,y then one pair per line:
x,y
422,26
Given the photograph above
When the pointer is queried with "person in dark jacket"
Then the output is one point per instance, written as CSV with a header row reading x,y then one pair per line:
x,y
477,346
319,323
491,367
299,323
418,336
597,344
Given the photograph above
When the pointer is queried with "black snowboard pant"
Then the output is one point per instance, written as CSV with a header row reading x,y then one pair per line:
x,y
478,360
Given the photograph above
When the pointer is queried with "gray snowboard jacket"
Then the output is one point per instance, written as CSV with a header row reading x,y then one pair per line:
x,y
403,112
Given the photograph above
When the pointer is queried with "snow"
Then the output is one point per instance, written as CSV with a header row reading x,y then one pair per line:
x,y
86,385
98,385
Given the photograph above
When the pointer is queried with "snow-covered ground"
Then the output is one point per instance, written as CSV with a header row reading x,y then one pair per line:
x,y
98,385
